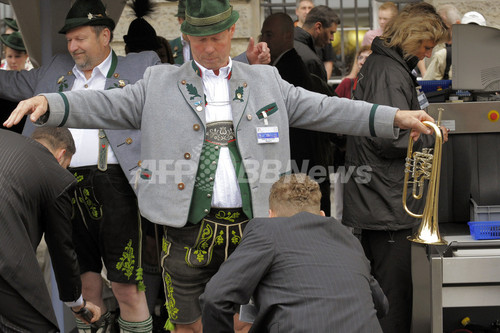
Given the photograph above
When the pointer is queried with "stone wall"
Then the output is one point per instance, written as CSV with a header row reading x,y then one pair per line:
x,y
166,24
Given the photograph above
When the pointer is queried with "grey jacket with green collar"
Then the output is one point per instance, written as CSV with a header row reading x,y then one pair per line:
x,y
168,106
57,76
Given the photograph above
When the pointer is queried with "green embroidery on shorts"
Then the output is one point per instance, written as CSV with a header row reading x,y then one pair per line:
x,y
140,280
220,238
92,207
78,177
201,249
235,239
127,260
221,215
170,303
164,245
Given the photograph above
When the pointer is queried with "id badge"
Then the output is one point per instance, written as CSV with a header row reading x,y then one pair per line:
x,y
422,99
268,134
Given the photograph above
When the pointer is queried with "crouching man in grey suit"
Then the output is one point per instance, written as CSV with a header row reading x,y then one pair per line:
x,y
306,272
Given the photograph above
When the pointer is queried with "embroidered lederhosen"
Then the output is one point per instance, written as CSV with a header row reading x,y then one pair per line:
x,y
221,228
104,204
195,253
107,224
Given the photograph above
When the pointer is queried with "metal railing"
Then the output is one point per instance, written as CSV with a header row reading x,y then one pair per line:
x,y
354,16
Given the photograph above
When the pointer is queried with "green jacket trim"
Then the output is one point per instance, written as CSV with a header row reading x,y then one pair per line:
x,y
268,109
371,122
114,63
66,110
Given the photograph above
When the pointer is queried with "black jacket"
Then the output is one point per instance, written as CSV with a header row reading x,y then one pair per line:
x,y
304,44
308,149
373,193
34,200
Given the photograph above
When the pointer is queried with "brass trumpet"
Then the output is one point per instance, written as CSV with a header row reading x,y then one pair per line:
x,y
425,166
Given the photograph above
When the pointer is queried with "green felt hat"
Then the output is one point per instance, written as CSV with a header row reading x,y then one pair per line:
x,y
181,9
87,12
208,17
14,41
10,22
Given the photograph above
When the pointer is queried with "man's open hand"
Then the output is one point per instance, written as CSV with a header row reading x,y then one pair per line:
x,y
36,106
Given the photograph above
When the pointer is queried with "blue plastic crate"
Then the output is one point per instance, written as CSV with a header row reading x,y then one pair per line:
x,y
434,85
485,229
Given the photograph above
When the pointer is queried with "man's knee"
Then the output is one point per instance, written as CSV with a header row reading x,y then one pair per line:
x,y
91,285
195,327
127,293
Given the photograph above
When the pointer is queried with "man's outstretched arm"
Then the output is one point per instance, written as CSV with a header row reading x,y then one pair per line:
x,y
38,106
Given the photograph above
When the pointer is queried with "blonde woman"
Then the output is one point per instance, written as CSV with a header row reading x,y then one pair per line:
x,y
372,198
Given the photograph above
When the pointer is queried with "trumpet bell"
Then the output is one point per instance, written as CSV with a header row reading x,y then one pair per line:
x,y
431,237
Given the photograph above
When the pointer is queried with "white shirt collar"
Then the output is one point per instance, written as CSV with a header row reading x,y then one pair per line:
x,y
102,68
223,71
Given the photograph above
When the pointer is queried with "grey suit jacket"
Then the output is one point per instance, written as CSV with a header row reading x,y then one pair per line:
x,y
168,106
57,76
306,273
34,200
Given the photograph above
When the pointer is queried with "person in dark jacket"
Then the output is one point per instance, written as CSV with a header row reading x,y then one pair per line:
x,y
318,30
310,151
372,196
34,201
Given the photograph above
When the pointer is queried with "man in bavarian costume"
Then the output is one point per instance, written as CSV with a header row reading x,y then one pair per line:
x,y
106,223
180,46
214,140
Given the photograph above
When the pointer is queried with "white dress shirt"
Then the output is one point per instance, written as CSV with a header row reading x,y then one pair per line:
x,y
87,140
216,88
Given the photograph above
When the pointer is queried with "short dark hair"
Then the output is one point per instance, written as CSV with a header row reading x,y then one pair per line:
x,y
55,138
323,14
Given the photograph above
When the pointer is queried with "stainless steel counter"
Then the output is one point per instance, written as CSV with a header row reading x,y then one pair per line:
x,y
466,273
